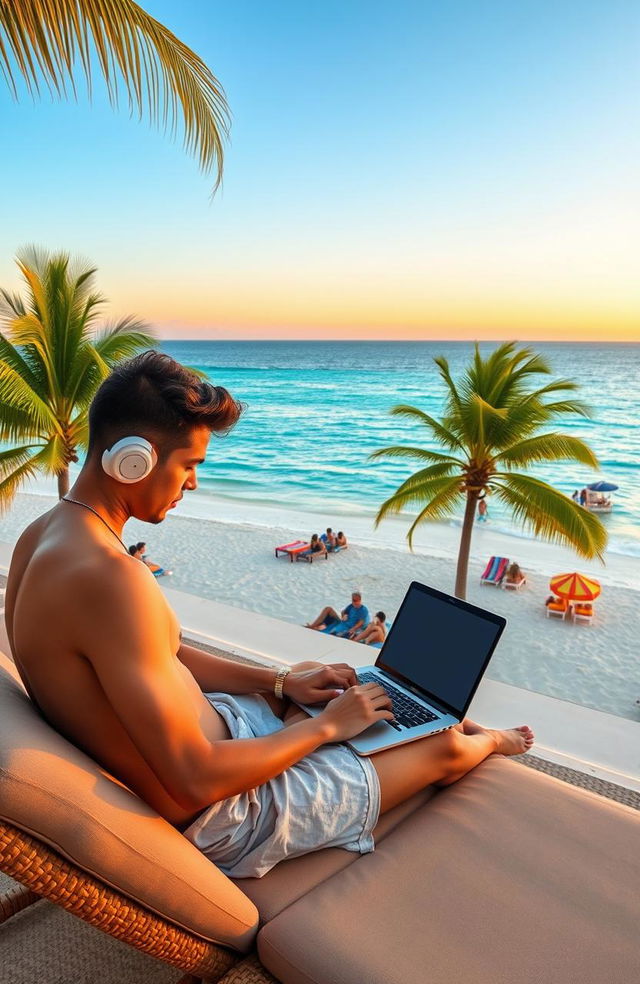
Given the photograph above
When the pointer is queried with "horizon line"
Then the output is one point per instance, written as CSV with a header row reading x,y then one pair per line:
x,y
417,341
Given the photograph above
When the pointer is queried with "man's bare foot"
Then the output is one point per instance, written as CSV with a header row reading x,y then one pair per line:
x,y
511,741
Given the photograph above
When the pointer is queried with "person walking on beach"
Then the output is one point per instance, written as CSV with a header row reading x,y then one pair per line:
x,y
482,511
349,622
101,655
583,497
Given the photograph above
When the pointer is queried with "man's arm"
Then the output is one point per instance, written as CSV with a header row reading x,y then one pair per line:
x,y
123,631
215,673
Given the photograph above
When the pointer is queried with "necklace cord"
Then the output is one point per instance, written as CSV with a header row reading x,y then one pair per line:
x,y
77,502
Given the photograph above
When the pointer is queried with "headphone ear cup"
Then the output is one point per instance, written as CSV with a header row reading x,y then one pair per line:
x,y
129,460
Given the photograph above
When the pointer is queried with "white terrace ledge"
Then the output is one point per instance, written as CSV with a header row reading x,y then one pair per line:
x,y
598,744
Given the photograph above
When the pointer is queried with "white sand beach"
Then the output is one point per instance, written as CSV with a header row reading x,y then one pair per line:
x,y
232,561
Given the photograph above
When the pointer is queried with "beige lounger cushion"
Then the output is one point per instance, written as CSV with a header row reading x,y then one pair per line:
x,y
507,877
290,880
52,790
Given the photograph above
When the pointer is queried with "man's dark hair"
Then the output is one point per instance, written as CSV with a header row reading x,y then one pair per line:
x,y
155,395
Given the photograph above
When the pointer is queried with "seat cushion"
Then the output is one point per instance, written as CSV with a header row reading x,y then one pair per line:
x,y
508,875
53,791
292,879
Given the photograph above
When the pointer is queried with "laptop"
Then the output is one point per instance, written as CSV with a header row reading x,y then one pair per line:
x,y
430,664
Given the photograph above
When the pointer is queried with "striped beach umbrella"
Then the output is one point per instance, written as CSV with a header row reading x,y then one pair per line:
x,y
575,587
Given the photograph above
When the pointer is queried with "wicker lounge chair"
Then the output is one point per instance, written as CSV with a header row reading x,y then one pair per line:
x,y
494,571
556,870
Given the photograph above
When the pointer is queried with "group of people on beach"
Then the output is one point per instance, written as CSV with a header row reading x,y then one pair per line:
x,y
328,542
353,622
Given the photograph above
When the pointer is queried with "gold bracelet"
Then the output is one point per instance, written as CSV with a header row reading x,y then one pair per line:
x,y
278,687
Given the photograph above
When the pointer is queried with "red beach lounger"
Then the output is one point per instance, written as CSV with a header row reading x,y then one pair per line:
x,y
292,548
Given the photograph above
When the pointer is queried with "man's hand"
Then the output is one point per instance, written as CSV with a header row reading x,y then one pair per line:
x,y
357,709
320,684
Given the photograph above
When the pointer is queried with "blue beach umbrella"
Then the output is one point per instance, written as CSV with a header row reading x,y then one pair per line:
x,y
602,487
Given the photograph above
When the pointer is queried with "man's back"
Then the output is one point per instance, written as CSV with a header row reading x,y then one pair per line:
x,y
51,635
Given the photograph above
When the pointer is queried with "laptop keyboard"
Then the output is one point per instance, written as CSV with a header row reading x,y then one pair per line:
x,y
409,714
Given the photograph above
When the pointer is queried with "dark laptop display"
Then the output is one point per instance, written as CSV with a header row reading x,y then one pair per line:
x,y
440,645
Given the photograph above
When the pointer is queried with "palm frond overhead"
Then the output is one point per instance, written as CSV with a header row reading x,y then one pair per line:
x,y
46,41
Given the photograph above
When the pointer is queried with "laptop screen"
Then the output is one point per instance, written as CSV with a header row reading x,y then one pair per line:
x,y
441,645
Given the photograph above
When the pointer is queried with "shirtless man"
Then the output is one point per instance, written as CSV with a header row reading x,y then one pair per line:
x,y
100,653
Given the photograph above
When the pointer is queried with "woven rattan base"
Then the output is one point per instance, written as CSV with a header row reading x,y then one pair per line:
x,y
52,877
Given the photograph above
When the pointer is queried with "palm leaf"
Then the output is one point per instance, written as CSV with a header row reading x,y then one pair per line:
x,y
550,514
10,485
160,74
548,447
15,393
421,454
442,433
416,494
440,507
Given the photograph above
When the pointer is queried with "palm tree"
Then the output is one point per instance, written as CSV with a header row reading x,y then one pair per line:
x,y
51,363
44,41
492,425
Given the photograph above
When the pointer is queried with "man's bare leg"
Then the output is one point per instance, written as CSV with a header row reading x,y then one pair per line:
x,y
319,622
437,760
442,759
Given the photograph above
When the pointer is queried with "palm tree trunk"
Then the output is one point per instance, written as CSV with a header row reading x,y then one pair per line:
x,y
63,482
465,545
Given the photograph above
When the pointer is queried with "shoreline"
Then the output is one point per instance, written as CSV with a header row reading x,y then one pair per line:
x,y
230,559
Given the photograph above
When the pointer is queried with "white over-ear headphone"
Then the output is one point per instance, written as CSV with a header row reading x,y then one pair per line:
x,y
129,460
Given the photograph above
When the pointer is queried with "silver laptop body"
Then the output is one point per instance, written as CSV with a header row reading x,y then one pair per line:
x,y
431,663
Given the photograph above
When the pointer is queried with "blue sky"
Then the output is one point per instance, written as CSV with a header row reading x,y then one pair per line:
x,y
395,170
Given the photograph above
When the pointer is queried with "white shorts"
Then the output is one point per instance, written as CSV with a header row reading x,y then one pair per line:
x,y
331,798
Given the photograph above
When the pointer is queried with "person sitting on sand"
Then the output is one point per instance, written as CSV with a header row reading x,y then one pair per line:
x,y
139,553
316,546
216,747
341,542
350,621
376,631
329,539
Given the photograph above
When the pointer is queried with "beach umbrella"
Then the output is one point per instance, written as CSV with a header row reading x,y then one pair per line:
x,y
575,587
602,487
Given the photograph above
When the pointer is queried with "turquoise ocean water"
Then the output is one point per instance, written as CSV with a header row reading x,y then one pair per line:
x,y
315,410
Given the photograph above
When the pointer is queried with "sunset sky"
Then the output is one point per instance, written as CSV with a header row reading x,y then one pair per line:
x,y
396,170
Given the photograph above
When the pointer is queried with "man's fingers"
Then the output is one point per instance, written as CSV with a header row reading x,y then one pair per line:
x,y
382,701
